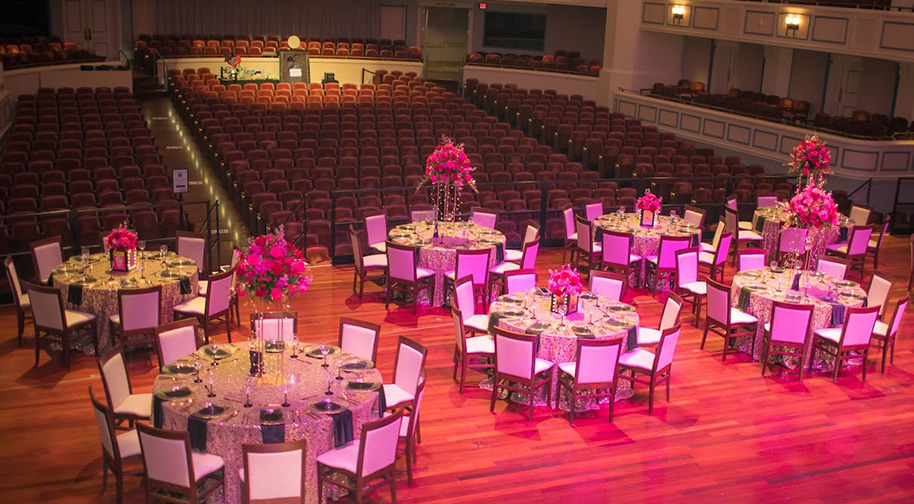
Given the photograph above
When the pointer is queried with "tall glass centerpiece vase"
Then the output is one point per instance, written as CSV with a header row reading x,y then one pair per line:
x,y
271,272
448,170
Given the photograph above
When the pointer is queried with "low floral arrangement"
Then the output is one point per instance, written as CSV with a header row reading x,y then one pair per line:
x,y
811,207
649,202
272,269
121,239
565,281
810,157
449,164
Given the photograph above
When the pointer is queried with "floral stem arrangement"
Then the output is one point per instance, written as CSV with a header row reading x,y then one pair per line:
x,y
122,245
565,285
810,158
448,169
272,269
648,205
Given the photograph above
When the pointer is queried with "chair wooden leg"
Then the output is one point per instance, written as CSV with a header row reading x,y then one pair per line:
x,y
361,286
37,346
320,484
228,328
837,365
765,347
355,276
866,353
530,400
463,373
494,394
390,291
119,485
705,335
726,345
20,319
802,360
104,472
393,488
885,350
409,461
650,397
668,378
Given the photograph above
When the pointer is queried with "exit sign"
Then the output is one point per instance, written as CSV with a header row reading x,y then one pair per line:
x,y
483,6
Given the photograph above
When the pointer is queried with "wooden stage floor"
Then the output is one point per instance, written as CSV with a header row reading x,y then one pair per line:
x,y
729,435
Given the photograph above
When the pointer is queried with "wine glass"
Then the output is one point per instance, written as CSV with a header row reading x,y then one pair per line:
x,y
162,250
211,383
293,340
339,369
286,388
141,245
141,268
773,266
329,384
84,254
325,351
620,213
197,367
248,387
213,348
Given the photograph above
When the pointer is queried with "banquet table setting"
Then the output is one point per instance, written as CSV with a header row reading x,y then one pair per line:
x,y
646,240
304,391
754,291
89,285
440,253
597,317
768,222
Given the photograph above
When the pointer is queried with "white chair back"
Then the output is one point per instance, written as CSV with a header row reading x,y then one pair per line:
x,y
531,250
219,293
104,426
617,247
275,475
723,248
408,367
422,215
114,373
767,201
718,232
380,447
568,218
671,309
897,316
514,356
877,294
483,218
140,310
357,254
718,303
790,323
466,298
687,266
585,236
401,263
692,217
860,215
859,239
610,287
459,330
376,227
597,363
520,281
47,257
13,276
593,210
474,263
749,259
834,268
858,326
668,340
732,203
194,247
531,232
46,308
669,245
792,240
274,328
176,343
165,459
358,339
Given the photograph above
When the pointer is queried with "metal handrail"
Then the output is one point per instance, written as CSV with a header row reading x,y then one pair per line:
x,y
869,186
120,52
897,203
364,71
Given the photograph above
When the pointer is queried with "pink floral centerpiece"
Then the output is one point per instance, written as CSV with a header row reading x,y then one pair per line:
x,y
272,269
811,207
448,169
648,205
565,285
811,158
121,243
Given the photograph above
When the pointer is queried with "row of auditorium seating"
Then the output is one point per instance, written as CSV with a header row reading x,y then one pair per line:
x,y
775,108
199,45
31,51
854,4
562,61
81,150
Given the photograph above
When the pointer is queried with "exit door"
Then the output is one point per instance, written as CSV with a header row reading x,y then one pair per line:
x,y
445,42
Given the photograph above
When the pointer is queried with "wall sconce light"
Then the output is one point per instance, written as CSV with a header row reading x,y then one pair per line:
x,y
792,22
678,13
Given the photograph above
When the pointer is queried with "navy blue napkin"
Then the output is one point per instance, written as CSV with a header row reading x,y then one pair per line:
x,y
75,294
273,433
696,239
842,234
255,362
537,328
598,235
760,223
499,253
157,411
196,427
837,314
796,282
631,340
743,301
342,427
382,402
185,285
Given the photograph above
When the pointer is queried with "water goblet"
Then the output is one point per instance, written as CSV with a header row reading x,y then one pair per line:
x,y
248,387
162,250
211,383
339,369
84,254
329,384
293,339
197,367
213,348
286,388
324,350
142,269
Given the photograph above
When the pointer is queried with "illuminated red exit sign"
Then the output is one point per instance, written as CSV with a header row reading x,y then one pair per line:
x,y
483,6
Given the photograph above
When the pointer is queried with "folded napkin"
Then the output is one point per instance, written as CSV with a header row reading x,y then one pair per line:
x,y
796,282
696,239
743,302
537,329
342,427
256,362
598,235
499,253
382,402
842,234
185,285
157,411
273,433
494,318
631,340
196,427
760,223
837,314
75,294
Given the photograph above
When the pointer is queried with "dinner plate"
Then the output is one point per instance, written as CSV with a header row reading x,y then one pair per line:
x,y
406,227
210,411
793,298
69,270
488,242
357,365
271,416
401,235
129,283
750,274
178,369
176,263
776,270
845,283
274,346
582,330
589,295
512,313
617,323
510,299
316,351
815,274
327,406
621,308
218,351
421,243
754,286
363,385
85,281
171,274
175,393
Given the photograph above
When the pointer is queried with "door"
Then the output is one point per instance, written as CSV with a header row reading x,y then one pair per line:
x,y
393,22
92,25
445,42
843,85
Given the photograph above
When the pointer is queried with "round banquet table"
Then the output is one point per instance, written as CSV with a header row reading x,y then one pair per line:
x,y
754,292
767,221
597,318
440,255
225,432
646,240
93,288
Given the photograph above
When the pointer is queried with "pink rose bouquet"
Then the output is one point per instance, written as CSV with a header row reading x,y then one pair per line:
x,y
449,164
810,157
812,207
565,281
272,269
649,202
121,240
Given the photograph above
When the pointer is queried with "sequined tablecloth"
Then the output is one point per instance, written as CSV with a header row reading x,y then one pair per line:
x,y
646,240
762,289
99,296
597,318
227,432
440,254
768,221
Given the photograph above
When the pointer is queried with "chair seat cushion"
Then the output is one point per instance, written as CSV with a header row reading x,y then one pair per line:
x,y
698,288
380,247
745,235
115,319
651,259
512,255
541,365
597,248
129,443
872,244
422,273
202,287
738,317
573,237
707,247
500,269
478,322
395,395
648,336
480,345
24,301
880,329
205,464
196,306
745,225
837,247
138,405
568,368
633,258
637,358
345,457
706,257
830,333
377,261
75,318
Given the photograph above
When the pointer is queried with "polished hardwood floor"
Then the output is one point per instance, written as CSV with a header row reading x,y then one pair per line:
x,y
728,435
